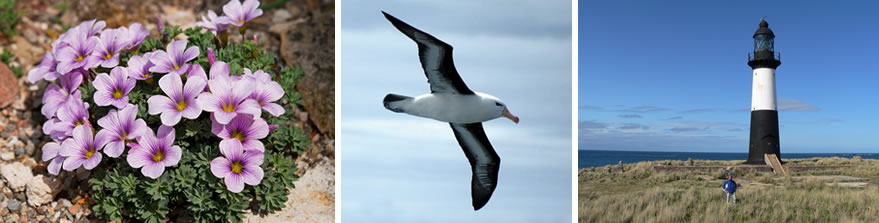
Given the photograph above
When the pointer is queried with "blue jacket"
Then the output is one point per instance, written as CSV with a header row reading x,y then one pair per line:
x,y
729,186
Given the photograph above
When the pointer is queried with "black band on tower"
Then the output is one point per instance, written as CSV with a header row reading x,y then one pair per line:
x,y
764,136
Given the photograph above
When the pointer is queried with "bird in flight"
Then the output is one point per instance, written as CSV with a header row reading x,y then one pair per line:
x,y
450,100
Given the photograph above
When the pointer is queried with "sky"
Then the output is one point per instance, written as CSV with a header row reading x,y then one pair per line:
x,y
673,75
401,168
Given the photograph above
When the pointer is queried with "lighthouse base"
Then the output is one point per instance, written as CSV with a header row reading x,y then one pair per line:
x,y
764,136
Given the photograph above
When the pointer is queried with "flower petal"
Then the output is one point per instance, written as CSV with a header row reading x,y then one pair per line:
x,y
249,106
220,167
114,148
91,163
73,162
51,150
153,170
252,175
173,155
171,117
172,85
234,183
158,104
55,166
138,158
274,109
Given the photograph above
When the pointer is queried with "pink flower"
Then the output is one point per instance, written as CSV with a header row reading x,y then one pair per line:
x,y
50,154
73,114
237,14
82,149
238,167
244,131
134,35
212,22
46,69
56,96
76,53
120,126
139,66
180,100
107,51
227,97
113,89
174,60
265,91
154,153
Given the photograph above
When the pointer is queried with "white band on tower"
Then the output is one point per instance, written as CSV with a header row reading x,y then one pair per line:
x,y
763,91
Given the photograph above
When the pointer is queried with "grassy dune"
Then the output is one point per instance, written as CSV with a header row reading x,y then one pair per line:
x,y
642,195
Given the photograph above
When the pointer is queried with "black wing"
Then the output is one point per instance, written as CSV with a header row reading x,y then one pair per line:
x,y
436,59
484,162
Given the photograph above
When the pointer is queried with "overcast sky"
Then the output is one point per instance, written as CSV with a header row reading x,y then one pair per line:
x,y
673,75
401,168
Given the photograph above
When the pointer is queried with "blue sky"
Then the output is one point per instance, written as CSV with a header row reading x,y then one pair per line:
x,y
401,168
673,75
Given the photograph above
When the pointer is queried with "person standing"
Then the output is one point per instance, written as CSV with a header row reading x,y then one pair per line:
x,y
730,188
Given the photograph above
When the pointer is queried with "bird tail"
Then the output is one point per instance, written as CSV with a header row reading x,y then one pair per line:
x,y
395,102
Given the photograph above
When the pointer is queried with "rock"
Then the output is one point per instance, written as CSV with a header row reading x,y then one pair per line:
x,y
13,205
75,209
3,208
19,150
281,16
16,174
30,149
8,86
41,190
11,218
65,203
7,156
311,45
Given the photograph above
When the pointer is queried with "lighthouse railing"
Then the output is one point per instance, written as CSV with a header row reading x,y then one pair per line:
x,y
776,56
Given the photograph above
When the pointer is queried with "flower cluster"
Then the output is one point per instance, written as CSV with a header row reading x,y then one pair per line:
x,y
91,55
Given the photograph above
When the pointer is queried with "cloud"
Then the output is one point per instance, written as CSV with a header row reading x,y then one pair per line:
x,y
630,116
633,126
698,110
675,118
735,130
688,129
591,125
644,109
591,107
788,104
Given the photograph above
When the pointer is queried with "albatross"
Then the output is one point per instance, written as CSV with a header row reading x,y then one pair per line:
x,y
450,100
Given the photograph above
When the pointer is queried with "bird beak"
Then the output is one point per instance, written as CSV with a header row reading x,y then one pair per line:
x,y
511,116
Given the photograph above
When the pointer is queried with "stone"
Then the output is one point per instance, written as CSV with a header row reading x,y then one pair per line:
x,y
65,203
19,150
7,156
13,205
41,190
75,208
311,45
281,16
30,149
17,175
11,218
3,208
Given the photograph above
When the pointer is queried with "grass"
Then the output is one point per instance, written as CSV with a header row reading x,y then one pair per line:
x,y
641,195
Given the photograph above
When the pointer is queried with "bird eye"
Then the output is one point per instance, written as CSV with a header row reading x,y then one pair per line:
x,y
498,104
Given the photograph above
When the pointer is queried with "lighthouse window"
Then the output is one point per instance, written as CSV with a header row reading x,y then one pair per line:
x,y
763,42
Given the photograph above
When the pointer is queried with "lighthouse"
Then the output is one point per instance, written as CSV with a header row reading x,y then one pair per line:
x,y
764,110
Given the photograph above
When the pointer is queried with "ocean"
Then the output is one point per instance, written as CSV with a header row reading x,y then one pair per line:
x,y
593,158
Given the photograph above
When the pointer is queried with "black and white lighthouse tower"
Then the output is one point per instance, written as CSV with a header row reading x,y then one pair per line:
x,y
764,110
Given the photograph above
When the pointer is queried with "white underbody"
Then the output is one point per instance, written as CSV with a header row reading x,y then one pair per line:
x,y
454,108
763,90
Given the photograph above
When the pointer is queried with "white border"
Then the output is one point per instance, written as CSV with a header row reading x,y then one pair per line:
x,y
574,91
337,110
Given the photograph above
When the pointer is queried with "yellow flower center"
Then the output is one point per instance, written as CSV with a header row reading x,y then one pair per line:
x,y
107,57
237,167
159,156
238,135
90,153
78,123
176,67
228,108
146,75
79,58
117,94
181,105
123,136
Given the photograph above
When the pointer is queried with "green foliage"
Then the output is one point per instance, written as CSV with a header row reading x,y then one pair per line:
x,y
6,57
8,17
189,188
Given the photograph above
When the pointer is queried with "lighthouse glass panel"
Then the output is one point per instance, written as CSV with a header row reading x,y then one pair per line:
x,y
763,42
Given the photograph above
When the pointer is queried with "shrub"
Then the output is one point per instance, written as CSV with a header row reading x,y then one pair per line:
x,y
223,143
